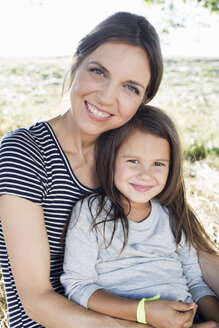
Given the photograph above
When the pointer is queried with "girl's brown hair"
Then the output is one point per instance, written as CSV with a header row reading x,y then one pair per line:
x,y
127,28
151,120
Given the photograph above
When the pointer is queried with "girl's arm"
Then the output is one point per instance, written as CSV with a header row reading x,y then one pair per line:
x,y
28,249
209,264
159,313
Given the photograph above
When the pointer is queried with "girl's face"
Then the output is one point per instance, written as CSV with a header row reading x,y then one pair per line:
x,y
108,87
142,167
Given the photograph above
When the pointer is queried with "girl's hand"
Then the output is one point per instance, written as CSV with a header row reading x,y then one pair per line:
x,y
170,314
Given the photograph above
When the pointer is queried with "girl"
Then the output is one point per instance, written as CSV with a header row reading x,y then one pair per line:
x,y
137,237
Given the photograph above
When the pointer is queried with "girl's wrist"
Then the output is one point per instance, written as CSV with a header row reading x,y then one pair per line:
x,y
142,307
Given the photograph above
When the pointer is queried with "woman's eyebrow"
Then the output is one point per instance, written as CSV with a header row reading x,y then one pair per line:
x,y
100,65
136,83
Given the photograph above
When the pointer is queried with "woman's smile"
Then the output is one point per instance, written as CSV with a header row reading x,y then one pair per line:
x,y
97,113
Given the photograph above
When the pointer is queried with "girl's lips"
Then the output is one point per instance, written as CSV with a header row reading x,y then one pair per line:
x,y
141,188
97,114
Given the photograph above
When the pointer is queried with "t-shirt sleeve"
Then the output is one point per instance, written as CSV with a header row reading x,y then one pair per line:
x,y
22,170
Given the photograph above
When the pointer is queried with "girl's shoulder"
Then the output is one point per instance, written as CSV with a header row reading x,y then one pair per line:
x,y
93,201
158,208
93,206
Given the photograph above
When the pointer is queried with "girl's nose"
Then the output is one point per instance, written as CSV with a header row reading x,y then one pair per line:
x,y
107,95
144,172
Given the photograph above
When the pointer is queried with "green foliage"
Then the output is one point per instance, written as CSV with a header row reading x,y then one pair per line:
x,y
212,5
198,151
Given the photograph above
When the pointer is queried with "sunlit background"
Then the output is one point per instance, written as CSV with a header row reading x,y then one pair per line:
x,y
53,27
38,38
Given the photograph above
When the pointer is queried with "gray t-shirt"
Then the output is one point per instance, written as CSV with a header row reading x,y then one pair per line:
x,y
149,264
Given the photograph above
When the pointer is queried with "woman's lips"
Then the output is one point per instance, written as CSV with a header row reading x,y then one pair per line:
x,y
97,114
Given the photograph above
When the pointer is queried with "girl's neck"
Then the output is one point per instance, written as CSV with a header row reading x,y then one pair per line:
x,y
139,213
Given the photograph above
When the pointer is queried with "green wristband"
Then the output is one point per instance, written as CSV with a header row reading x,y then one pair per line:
x,y
141,315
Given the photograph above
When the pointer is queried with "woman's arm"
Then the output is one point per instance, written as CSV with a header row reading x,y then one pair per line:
x,y
209,308
28,249
209,264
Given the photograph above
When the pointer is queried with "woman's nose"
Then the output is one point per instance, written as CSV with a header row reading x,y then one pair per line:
x,y
107,95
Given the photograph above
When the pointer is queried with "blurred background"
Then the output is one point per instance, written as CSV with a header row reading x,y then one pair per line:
x,y
39,37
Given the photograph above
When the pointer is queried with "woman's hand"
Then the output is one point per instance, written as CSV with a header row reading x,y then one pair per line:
x,y
170,314
207,324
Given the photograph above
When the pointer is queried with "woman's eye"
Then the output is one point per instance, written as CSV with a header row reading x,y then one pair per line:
x,y
133,89
97,71
133,161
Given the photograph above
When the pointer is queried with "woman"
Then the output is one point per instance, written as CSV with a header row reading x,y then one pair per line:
x,y
47,167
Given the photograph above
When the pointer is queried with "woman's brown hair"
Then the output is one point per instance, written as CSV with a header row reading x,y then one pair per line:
x,y
151,120
127,28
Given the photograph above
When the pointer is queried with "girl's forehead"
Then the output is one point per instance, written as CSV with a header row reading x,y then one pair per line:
x,y
139,142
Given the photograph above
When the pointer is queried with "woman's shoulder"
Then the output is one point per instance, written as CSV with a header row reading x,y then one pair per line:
x,y
28,134
31,140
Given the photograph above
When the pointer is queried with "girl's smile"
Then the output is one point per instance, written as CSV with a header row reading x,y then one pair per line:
x,y
141,188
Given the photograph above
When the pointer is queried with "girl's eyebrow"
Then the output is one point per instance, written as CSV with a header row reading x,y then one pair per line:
x,y
106,70
162,160
136,156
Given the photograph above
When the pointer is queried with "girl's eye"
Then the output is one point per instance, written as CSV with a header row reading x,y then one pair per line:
x,y
159,164
133,161
132,89
97,71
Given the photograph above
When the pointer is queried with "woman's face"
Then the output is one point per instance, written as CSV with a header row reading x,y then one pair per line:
x,y
108,87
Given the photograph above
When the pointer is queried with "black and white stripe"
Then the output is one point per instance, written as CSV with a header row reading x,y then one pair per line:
x,y
34,166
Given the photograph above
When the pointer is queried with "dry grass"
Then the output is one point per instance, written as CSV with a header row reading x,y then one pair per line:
x,y
3,308
188,92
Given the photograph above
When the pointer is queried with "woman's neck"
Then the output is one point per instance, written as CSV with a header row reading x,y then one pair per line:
x,y
78,147
69,134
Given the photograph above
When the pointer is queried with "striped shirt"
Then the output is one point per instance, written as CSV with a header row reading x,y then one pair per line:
x,y
33,166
